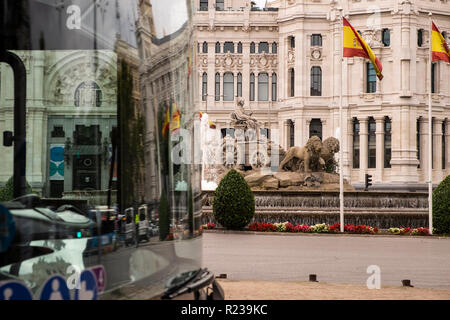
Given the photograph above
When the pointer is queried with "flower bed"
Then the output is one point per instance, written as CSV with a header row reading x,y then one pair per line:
x,y
410,231
335,228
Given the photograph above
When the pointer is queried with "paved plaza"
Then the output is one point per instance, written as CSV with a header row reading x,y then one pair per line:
x,y
334,258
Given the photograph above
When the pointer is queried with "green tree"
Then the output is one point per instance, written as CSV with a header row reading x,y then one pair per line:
x,y
234,203
7,192
441,207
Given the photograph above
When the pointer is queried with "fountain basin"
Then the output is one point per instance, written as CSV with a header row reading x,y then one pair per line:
x,y
375,208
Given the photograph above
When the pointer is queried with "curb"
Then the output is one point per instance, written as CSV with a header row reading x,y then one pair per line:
x,y
293,234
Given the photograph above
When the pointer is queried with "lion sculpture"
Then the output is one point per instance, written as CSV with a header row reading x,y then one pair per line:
x,y
310,155
329,149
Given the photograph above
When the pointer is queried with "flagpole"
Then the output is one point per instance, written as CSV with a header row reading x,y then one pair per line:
x,y
341,151
430,133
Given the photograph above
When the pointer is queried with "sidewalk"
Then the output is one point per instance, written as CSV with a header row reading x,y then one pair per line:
x,y
271,290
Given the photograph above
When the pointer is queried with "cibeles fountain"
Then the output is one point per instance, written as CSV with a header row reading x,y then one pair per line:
x,y
301,184
263,163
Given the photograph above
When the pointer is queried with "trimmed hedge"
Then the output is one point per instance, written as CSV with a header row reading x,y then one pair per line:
x,y
234,203
441,207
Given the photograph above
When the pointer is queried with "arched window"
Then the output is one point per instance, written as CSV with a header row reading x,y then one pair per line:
x,y
88,94
372,154
239,85
204,86
274,47
252,86
263,87
263,47
292,41
274,87
217,47
217,87
315,128
239,47
252,47
316,81
228,86
228,47
291,82
356,145
205,47
387,142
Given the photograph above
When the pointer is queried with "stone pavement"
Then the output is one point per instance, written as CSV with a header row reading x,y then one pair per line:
x,y
334,258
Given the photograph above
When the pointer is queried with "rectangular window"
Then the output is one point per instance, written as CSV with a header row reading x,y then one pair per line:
x,y
356,144
386,37
316,40
419,37
220,6
316,81
204,86
228,87
387,142
263,47
263,87
418,140
372,156
433,78
228,47
274,87
291,133
203,5
217,93
444,149
371,78
239,85
252,87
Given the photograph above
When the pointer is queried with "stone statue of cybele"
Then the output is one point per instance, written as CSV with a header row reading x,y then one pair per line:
x,y
242,117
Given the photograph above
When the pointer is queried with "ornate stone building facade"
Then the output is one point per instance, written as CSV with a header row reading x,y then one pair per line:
x,y
285,61
71,110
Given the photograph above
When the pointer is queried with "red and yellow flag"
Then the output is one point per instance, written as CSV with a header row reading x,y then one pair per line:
x,y
166,123
176,117
439,49
355,46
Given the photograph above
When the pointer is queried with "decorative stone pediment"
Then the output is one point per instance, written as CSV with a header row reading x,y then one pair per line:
x,y
69,73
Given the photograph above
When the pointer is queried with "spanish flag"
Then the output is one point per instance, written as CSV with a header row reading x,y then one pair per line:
x,y
166,124
439,49
176,117
355,46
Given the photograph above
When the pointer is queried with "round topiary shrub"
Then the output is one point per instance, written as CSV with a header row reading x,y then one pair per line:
x,y
441,207
234,203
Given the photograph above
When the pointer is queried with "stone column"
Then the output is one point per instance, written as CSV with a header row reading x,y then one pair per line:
x,y
380,148
299,125
211,75
246,71
364,147
437,150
